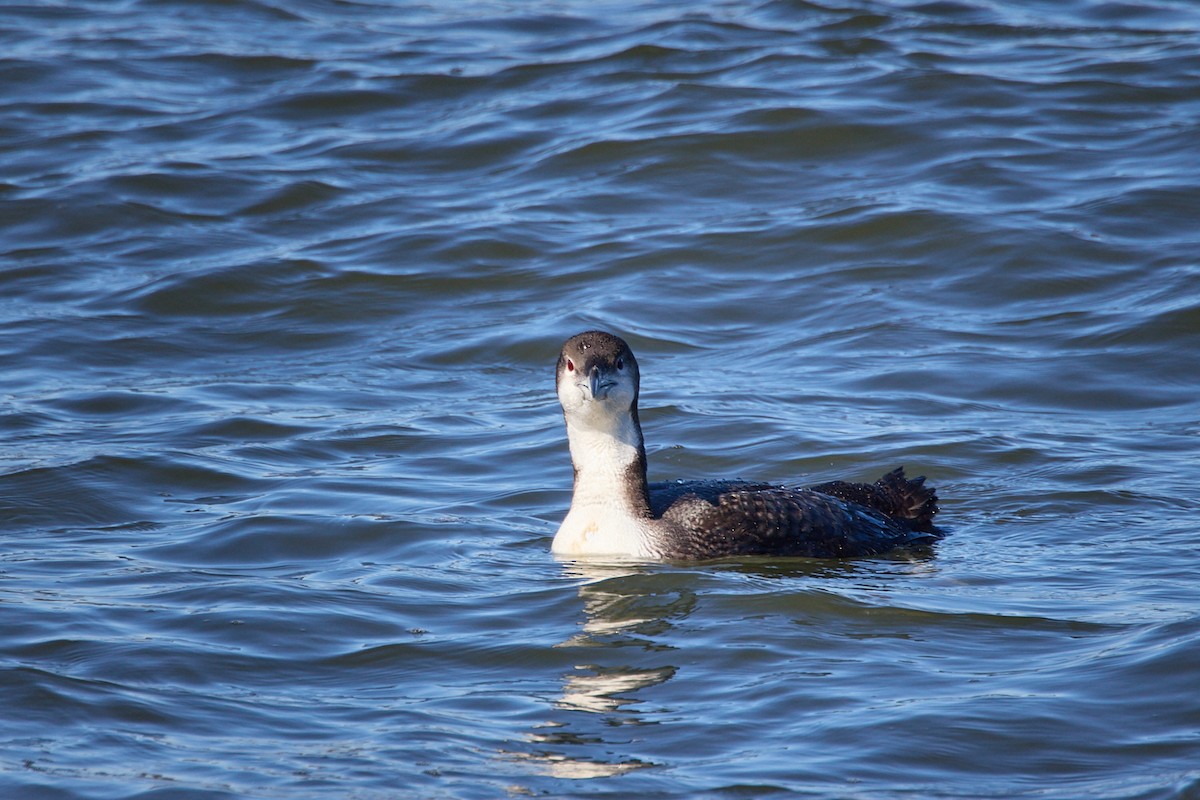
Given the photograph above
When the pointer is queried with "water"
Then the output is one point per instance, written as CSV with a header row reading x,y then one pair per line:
x,y
281,291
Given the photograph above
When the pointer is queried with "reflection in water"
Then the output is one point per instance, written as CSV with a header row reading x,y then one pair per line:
x,y
621,651
558,765
625,609
599,691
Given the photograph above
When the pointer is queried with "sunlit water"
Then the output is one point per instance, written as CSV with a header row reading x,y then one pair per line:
x,y
281,289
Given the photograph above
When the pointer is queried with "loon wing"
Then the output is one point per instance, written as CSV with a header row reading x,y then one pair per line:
x,y
714,519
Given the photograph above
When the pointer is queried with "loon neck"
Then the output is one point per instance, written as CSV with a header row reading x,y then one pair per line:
x,y
609,457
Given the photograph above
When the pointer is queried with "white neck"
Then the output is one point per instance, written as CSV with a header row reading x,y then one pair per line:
x,y
602,447
606,517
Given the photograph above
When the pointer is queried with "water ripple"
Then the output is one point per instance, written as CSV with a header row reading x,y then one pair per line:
x,y
282,287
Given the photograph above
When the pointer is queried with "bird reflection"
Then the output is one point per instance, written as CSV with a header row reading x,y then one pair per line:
x,y
626,609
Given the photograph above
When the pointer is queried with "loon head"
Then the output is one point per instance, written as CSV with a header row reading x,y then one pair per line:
x,y
597,381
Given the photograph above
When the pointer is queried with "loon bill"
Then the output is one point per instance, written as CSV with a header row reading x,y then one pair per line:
x,y
615,512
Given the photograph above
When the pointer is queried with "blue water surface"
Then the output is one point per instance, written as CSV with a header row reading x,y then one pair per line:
x,y
282,285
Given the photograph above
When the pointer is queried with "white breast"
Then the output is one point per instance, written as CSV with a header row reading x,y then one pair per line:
x,y
600,529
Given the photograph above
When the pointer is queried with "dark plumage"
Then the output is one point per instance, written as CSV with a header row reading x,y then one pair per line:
x,y
832,520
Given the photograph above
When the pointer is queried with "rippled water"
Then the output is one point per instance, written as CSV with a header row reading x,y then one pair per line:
x,y
281,291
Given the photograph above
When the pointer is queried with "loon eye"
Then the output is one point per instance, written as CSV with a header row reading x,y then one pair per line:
x,y
620,363
570,365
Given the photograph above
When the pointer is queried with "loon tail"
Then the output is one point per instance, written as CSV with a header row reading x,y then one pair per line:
x,y
908,501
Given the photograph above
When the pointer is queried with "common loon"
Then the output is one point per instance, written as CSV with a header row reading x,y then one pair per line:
x,y
615,512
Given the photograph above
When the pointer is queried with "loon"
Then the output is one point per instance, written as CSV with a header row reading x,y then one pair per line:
x,y
615,512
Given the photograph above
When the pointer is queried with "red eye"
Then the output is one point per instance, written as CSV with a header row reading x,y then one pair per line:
x,y
570,365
